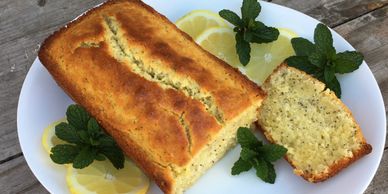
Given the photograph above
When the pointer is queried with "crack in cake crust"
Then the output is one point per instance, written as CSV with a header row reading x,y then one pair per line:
x,y
165,79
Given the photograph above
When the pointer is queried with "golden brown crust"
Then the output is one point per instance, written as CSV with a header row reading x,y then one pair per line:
x,y
339,165
148,122
153,170
179,52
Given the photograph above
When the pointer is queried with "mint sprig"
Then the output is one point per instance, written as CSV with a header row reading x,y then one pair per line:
x,y
257,155
248,30
87,141
321,60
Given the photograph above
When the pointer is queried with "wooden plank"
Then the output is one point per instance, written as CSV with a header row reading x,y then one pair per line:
x,y
16,177
334,12
15,60
34,189
34,16
20,38
368,34
379,185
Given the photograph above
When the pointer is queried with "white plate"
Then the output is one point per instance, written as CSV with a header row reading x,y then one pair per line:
x,y
42,102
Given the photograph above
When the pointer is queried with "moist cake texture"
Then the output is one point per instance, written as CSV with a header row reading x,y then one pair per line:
x,y
319,131
171,106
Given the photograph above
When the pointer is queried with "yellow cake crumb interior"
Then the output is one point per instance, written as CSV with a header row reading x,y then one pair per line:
x,y
308,120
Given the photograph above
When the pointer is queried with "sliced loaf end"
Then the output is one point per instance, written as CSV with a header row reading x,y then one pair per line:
x,y
319,131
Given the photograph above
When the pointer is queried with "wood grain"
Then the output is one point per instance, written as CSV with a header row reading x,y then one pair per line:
x,y
379,185
32,17
333,12
16,177
36,188
368,34
24,24
14,64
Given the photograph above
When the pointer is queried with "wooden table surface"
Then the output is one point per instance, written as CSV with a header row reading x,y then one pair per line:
x,y
24,24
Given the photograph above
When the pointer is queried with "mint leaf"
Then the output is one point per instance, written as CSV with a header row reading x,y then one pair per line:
x,y
301,63
272,152
84,136
240,166
256,25
115,155
112,151
334,86
243,49
100,157
77,116
255,154
261,33
107,141
94,129
320,76
248,29
248,35
246,138
317,59
247,154
261,169
250,10
231,17
302,46
265,170
348,61
329,73
67,133
321,61
84,158
64,153
271,173
324,40
265,35
92,143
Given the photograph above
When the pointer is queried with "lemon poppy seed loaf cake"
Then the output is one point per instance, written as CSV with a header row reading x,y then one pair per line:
x,y
319,131
171,106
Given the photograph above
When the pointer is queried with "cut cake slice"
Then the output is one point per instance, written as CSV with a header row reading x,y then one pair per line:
x,y
319,131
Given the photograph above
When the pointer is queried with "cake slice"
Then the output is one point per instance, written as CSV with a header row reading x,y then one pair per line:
x,y
171,106
319,131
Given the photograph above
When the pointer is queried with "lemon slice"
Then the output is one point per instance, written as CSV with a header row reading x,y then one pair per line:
x,y
101,178
49,139
266,57
197,21
220,41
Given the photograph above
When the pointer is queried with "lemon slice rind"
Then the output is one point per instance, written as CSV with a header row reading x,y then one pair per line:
x,y
264,57
197,21
49,139
102,177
